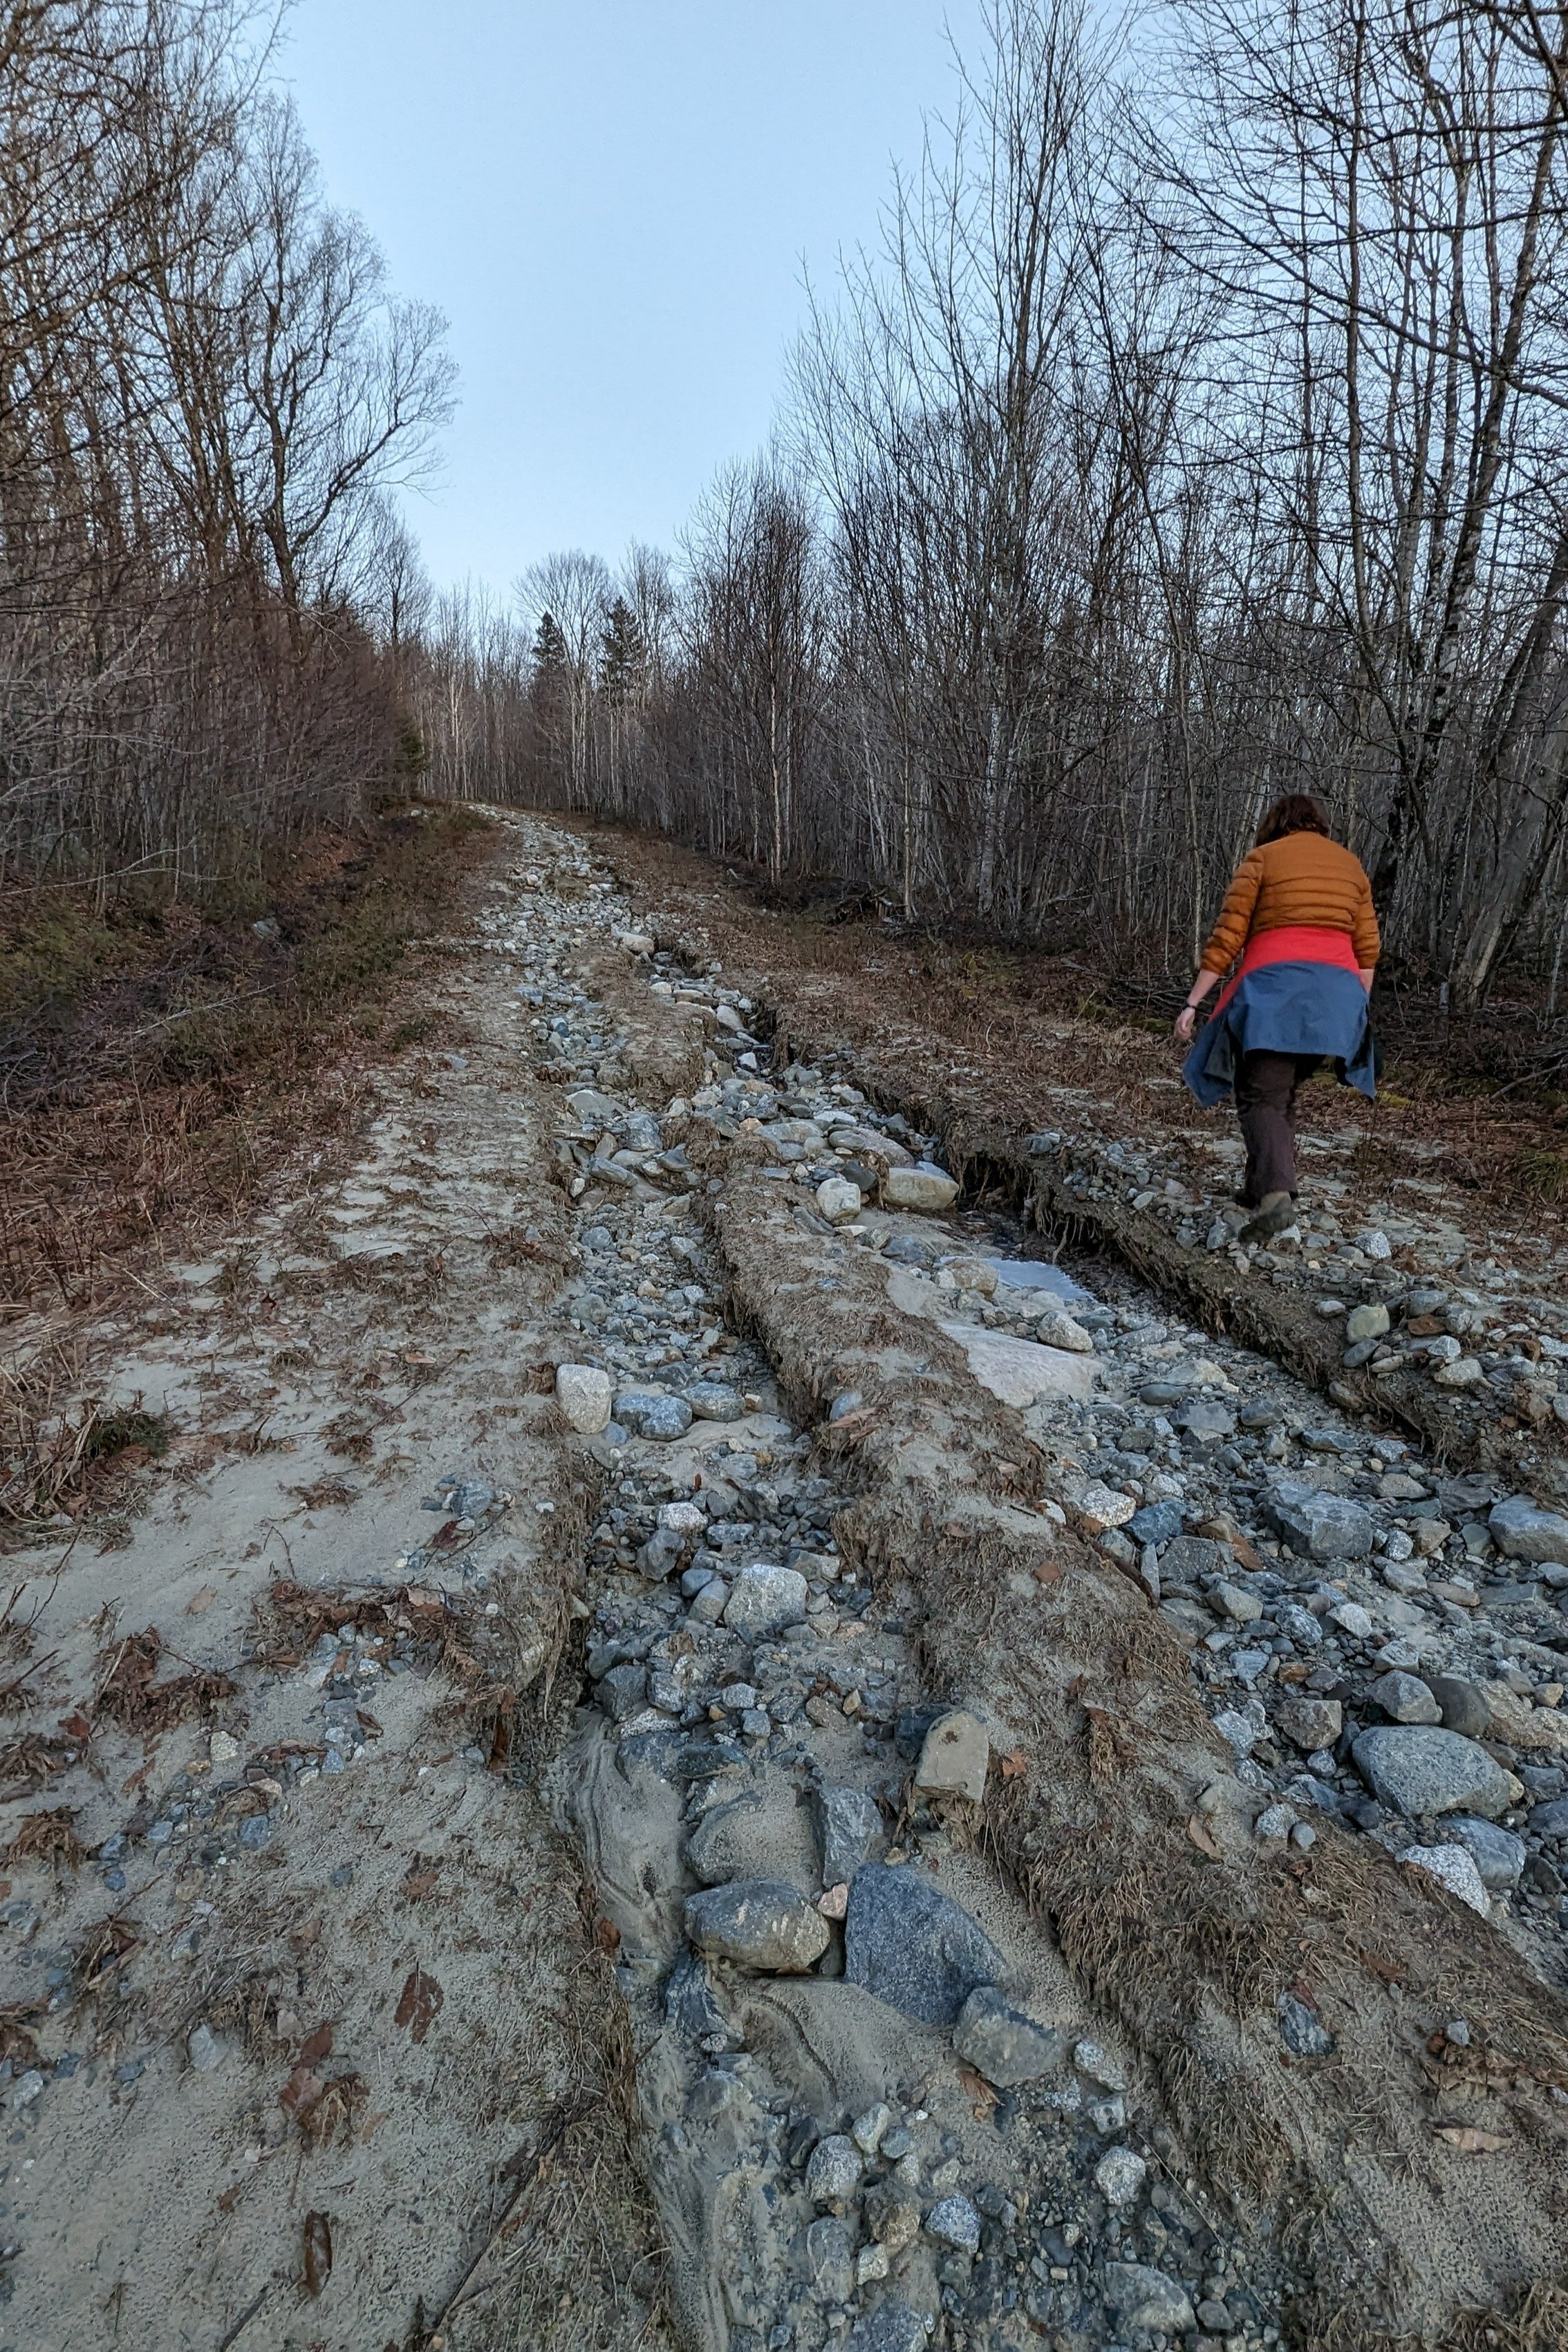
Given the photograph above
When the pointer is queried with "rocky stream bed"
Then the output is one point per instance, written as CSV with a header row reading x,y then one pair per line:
x,y
880,2110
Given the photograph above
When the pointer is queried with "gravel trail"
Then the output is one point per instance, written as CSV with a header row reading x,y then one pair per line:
x,y
618,1783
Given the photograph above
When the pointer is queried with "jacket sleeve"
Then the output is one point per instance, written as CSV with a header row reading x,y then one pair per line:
x,y
1368,939
1228,936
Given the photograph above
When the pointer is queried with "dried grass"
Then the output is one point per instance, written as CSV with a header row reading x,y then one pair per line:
x,y
1186,1950
49,1838
129,1696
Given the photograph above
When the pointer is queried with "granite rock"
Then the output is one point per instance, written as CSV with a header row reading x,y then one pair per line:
x,y
913,1946
1419,1770
761,1922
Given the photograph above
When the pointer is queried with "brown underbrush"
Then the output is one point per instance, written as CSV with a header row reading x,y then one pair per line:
x,y
153,1060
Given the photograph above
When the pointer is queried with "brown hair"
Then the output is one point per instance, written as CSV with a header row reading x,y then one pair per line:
x,y
1297,812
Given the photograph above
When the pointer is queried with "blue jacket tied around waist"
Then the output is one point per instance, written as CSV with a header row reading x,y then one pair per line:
x,y
1286,1008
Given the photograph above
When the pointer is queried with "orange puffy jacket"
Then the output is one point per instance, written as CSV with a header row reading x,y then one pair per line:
x,y
1303,880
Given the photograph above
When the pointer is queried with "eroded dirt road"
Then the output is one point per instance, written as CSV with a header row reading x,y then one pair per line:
x,y
850,1823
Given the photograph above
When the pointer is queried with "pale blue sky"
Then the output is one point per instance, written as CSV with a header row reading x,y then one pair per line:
x,y
610,199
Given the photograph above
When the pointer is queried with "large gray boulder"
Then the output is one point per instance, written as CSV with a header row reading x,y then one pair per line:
x,y
1521,1529
1419,1770
919,1187
762,1922
765,1599
913,1946
1318,1526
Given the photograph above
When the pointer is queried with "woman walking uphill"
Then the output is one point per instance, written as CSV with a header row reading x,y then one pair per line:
x,y
1298,915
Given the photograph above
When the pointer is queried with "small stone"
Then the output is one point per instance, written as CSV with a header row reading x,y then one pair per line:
x,y
1230,1600
919,1187
871,2263
827,2251
1453,1867
1213,2317
1242,1727
1119,2176
623,1691
714,1401
206,2050
1352,1619
891,2327
762,1922
1464,1372
973,1273
1369,1322
1208,1422
28,2087
1302,2029
766,1600
1156,1523
584,1393
1307,1723
646,1414
866,2131
849,1824
1374,1243
687,1520
1299,1625
1418,1771
1002,2044
222,1748
1142,2297
1275,1822
1100,1506
1405,1698
1317,1525
834,2173
834,1901
1056,1329
893,2215
838,1199
954,1756
953,2221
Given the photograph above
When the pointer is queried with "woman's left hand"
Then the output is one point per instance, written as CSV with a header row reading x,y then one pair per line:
x,y
1186,1021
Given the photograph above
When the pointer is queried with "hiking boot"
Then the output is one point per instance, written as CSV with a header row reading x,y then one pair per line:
x,y
1275,1211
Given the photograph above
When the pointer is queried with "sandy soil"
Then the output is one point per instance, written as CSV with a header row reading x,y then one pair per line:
x,y
298,2001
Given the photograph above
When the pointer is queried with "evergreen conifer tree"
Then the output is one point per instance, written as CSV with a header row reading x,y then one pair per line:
x,y
623,654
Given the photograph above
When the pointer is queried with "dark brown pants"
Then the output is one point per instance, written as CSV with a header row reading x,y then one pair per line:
x,y
1266,1089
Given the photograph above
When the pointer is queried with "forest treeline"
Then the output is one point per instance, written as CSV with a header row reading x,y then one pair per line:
x,y
207,396
1197,433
